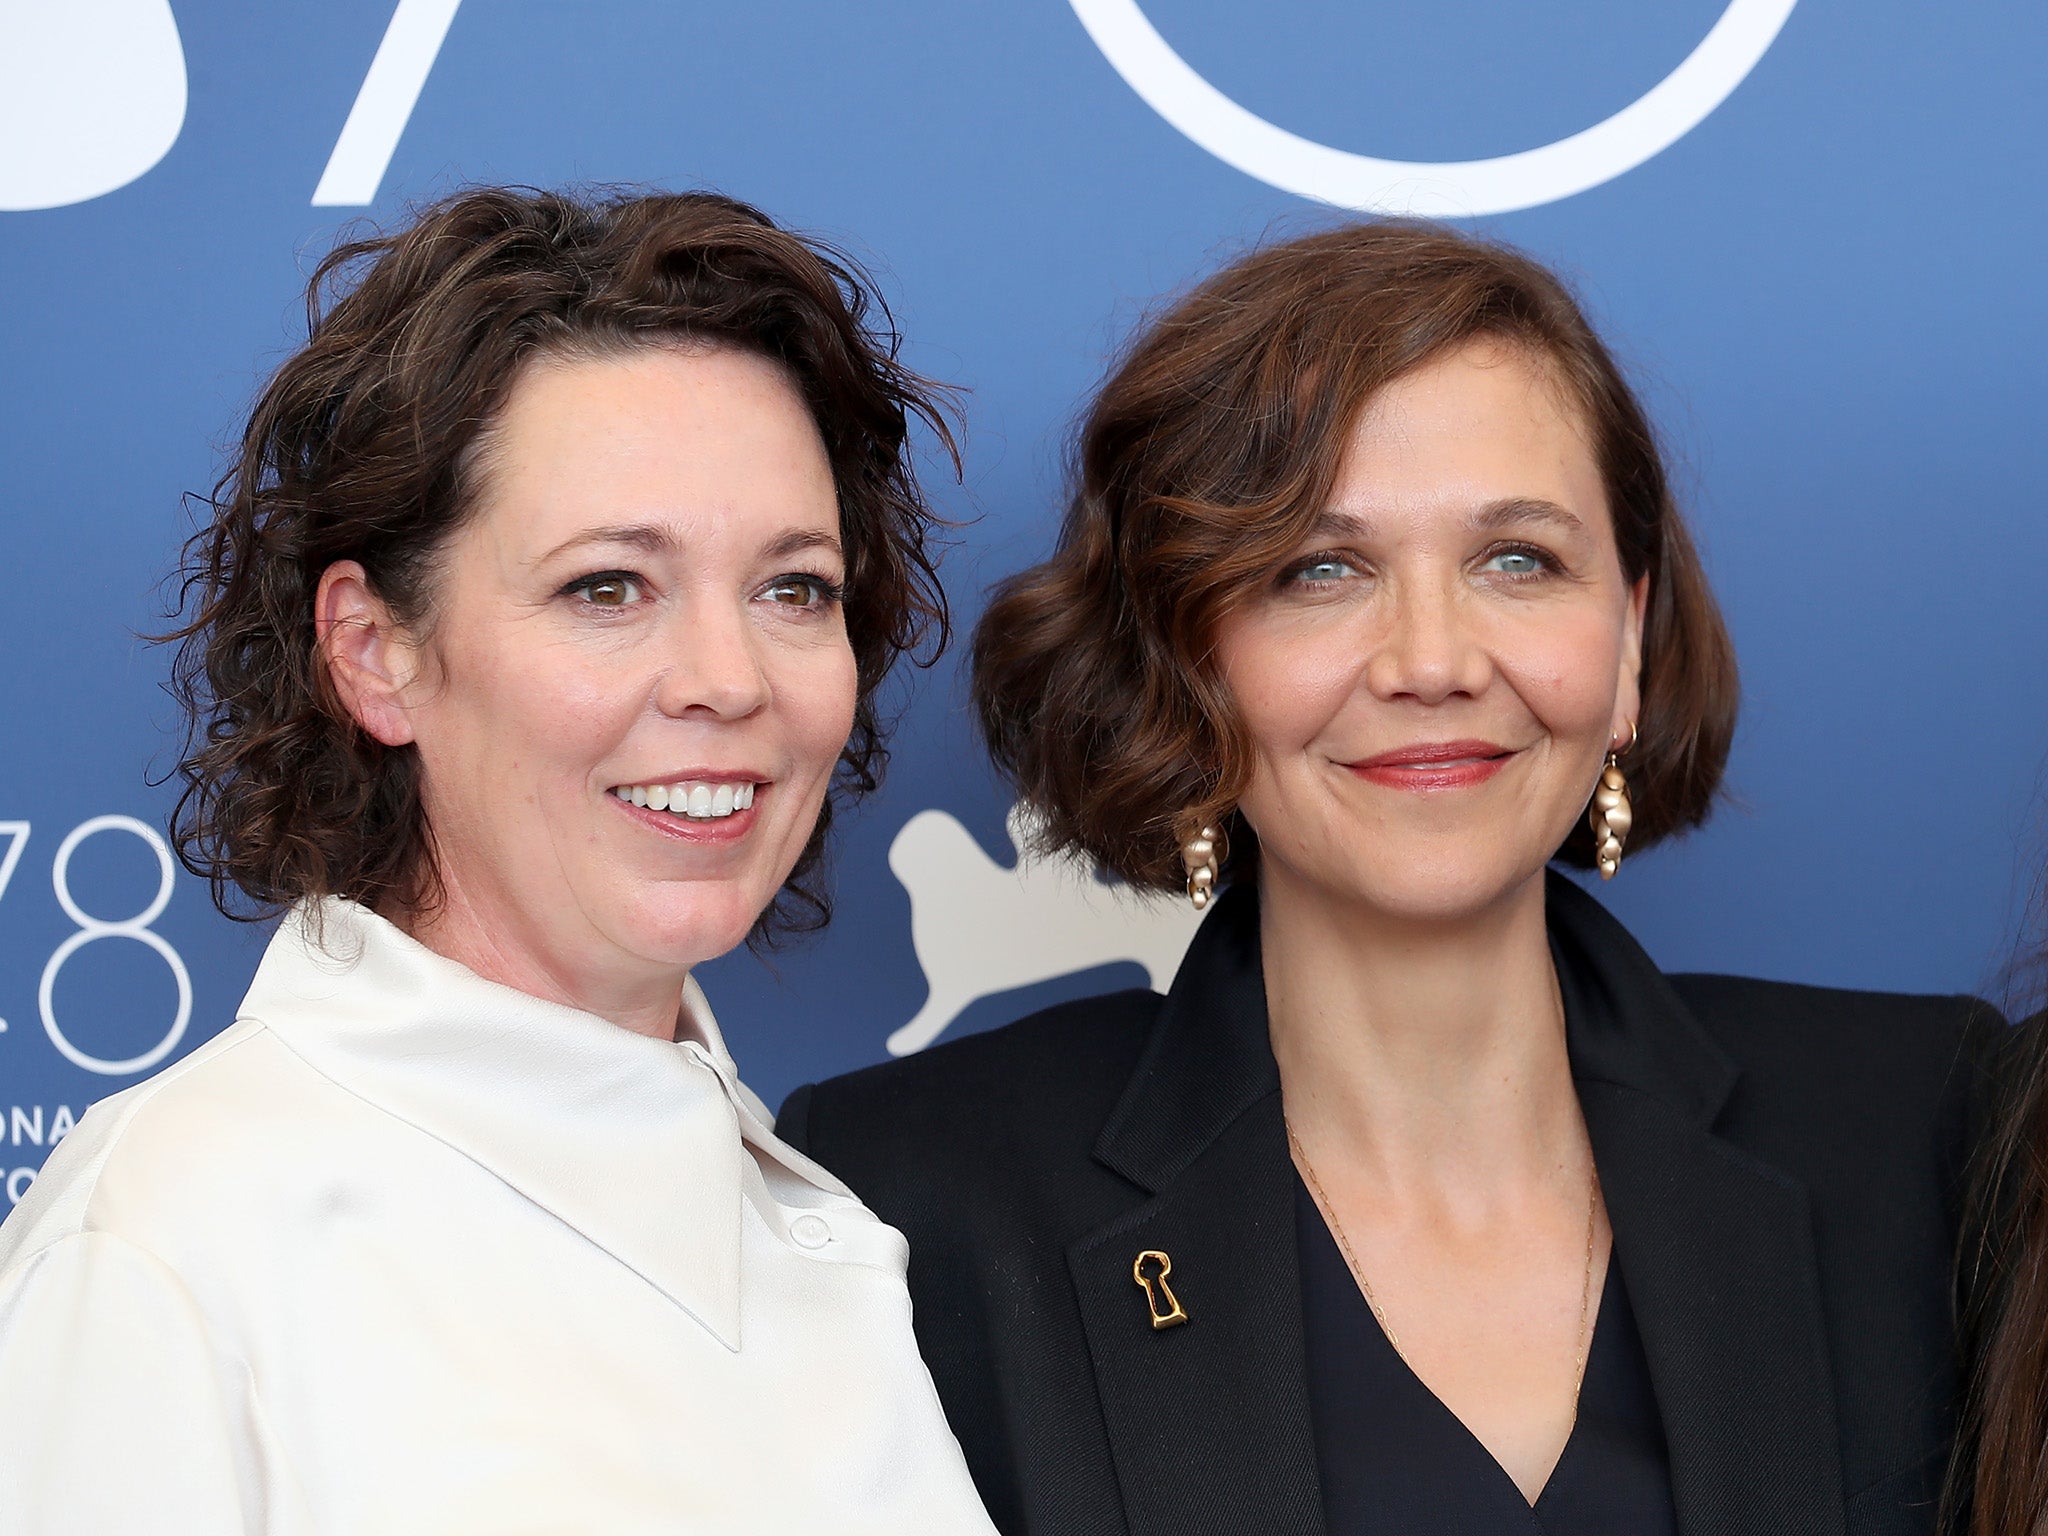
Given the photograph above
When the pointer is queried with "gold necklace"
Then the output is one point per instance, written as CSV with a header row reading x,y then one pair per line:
x,y
1315,1188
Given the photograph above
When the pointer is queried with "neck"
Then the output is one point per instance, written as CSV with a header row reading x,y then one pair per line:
x,y
500,944
1427,1053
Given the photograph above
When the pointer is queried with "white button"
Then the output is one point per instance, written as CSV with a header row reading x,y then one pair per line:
x,y
810,1231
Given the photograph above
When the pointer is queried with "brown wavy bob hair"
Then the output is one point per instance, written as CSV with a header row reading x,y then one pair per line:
x,y
1204,461
365,444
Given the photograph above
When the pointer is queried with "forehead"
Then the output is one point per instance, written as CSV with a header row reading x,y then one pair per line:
x,y
1486,422
660,432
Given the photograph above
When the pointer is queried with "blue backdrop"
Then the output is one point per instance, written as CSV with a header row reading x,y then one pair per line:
x,y
1814,231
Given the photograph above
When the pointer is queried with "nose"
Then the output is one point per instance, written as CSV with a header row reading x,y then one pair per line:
x,y
717,669
1426,653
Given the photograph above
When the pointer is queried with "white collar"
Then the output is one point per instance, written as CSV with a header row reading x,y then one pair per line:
x,y
636,1143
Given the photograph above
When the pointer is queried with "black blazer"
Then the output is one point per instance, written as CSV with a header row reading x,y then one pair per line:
x,y
1781,1166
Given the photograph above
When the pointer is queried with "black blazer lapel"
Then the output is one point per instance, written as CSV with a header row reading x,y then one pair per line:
x,y
1208,1420
1718,1255
1717,1248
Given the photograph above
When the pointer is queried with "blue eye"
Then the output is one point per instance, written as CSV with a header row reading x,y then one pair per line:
x,y
1517,562
1322,570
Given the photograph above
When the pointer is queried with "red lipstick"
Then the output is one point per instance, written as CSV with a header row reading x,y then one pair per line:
x,y
1434,765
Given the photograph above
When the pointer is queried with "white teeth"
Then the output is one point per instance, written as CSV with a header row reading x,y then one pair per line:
x,y
698,801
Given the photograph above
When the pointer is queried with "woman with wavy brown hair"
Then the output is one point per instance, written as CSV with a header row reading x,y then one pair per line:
x,y
1424,1201
536,631
1998,1485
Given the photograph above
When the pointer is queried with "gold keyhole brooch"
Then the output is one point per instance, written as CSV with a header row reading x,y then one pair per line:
x,y
1160,1301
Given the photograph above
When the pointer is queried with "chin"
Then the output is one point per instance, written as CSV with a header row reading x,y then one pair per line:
x,y
1427,890
687,930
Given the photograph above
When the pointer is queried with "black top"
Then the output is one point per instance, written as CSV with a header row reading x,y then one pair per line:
x,y
1780,1165
1394,1459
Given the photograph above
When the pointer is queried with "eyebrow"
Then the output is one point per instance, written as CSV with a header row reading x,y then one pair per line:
x,y
653,540
641,536
1523,509
1508,512
1331,523
797,540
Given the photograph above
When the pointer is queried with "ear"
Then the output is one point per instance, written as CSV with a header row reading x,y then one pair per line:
x,y
368,655
1628,693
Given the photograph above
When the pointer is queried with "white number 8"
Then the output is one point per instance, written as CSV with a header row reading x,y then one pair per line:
x,y
137,927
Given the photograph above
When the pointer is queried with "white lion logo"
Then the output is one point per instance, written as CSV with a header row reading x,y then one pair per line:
x,y
980,929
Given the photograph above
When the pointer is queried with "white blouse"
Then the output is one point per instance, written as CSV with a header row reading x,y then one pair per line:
x,y
406,1251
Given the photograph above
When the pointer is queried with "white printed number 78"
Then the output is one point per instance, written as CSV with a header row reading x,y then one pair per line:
x,y
90,928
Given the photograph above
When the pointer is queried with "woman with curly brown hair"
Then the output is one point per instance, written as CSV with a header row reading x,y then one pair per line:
x,y
538,627
1424,1202
1998,1485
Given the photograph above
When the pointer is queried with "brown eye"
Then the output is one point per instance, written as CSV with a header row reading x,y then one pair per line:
x,y
800,591
612,590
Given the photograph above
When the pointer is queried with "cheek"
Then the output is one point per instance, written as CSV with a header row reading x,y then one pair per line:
x,y
520,721
817,689
1565,670
1288,681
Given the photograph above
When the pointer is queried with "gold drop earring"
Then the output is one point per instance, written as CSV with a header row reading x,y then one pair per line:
x,y
1611,814
1202,857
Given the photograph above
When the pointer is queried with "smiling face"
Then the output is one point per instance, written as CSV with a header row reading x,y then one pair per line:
x,y
1432,681
636,681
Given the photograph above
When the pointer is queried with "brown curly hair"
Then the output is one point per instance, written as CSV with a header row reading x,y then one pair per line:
x,y
1203,462
363,447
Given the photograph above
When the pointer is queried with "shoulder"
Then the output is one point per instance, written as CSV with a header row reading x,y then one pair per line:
x,y
1052,1077
1894,1073
1769,1025
114,1396
207,1143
